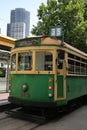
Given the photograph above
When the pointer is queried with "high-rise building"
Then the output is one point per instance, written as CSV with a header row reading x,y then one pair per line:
x,y
19,25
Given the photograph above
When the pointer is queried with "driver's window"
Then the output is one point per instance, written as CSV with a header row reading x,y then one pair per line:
x,y
60,59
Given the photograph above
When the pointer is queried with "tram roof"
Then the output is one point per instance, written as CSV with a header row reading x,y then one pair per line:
x,y
48,40
45,40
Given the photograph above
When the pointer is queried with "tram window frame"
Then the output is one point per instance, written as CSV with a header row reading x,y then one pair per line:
x,y
79,64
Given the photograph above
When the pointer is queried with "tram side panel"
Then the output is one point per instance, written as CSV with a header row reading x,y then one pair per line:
x,y
76,86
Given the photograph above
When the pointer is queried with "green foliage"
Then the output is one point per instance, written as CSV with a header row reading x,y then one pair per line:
x,y
72,13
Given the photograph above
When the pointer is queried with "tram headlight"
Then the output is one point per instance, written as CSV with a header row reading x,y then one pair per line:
x,y
24,87
50,95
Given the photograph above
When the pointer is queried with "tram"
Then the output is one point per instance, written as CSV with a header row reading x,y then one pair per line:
x,y
46,73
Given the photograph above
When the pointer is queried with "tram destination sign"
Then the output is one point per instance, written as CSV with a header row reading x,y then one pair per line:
x,y
27,42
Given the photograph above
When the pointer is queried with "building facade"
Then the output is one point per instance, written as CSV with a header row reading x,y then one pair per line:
x,y
19,25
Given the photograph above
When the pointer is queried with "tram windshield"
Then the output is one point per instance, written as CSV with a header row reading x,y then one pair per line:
x,y
44,61
25,61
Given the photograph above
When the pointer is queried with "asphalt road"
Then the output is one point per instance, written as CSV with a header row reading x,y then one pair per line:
x,y
76,120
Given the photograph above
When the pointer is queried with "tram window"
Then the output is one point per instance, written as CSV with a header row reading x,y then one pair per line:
x,y
25,61
77,58
48,62
44,61
83,60
60,59
71,55
77,67
70,66
83,69
13,63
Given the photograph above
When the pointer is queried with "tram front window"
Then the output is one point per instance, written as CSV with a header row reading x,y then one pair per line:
x,y
25,61
44,61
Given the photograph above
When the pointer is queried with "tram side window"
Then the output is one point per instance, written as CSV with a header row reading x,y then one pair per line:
x,y
76,65
82,69
60,59
13,62
25,61
71,66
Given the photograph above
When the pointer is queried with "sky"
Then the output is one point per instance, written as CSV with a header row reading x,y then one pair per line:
x,y
7,5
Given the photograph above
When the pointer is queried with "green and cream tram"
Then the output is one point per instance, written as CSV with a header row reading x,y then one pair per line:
x,y
45,73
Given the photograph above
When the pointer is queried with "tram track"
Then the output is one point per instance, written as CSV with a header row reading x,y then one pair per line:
x,y
8,122
14,114
32,122
4,116
19,113
39,120
5,105
19,124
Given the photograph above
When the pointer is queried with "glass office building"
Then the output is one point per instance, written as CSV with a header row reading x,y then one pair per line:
x,y
19,25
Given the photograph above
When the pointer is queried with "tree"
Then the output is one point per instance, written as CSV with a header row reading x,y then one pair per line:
x,y
47,15
72,13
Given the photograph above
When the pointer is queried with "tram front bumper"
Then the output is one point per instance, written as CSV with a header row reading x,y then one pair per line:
x,y
26,103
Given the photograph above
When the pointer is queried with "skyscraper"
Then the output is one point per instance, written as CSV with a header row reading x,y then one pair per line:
x,y
19,23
